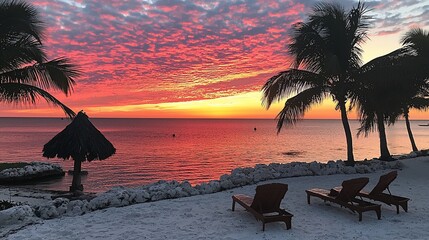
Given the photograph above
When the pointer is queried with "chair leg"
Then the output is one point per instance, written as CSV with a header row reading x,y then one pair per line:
x,y
263,226
360,216
288,224
233,205
308,198
405,207
378,211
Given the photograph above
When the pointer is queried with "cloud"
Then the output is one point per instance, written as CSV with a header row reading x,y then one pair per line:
x,y
150,52
398,16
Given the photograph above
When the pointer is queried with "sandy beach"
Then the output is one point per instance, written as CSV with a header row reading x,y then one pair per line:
x,y
210,217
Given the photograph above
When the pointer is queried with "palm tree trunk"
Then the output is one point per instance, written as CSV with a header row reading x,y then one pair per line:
x,y
346,125
384,151
410,133
76,182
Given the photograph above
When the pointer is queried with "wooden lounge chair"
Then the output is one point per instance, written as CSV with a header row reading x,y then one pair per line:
x,y
377,194
265,205
347,197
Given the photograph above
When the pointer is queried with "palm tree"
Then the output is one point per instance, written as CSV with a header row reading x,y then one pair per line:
x,y
391,85
326,50
25,72
416,43
374,93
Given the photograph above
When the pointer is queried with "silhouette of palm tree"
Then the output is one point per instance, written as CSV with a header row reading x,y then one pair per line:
x,y
25,72
391,85
374,96
326,50
416,43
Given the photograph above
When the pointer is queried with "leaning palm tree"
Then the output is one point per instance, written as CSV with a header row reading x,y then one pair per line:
x,y
416,44
25,72
326,50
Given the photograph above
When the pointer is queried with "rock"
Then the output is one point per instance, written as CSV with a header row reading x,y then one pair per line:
x,y
76,207
187,187
362,169
240,179
16,214
203,188
46,211
181,193
99,202
348,170
395,165
413,154
262,173
315,167
215,185
142,196
34,171
159,195
226,184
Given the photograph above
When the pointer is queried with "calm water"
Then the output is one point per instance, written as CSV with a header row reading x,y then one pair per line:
x,y
201,150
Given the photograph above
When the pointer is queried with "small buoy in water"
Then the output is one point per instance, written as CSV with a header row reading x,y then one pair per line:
x,y
254,129
174,135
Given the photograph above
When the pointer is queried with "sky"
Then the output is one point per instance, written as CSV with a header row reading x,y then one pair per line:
x,y
190,59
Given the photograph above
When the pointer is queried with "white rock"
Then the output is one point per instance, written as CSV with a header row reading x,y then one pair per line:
x,y
413,154
349,170
159,195
226,184
16,214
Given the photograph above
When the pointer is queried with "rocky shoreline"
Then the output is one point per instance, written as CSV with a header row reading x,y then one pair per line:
x,y
121,196
33,171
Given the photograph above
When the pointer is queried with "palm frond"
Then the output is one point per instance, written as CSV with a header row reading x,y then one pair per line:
x,y
295,107
330,41
23,51
289,82
27,94
416,41
307,46
356,34
58,74
419,103
61,73
17,18
367,124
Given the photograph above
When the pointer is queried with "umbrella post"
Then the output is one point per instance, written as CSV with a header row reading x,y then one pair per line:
x,y
76,182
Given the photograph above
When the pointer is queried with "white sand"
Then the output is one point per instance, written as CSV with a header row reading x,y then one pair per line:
x,y
210,216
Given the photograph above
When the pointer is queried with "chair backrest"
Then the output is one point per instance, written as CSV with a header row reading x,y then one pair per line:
x,y
268,197
350,188
384,182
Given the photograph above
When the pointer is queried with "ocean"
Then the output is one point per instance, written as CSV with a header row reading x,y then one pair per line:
x,y
197,150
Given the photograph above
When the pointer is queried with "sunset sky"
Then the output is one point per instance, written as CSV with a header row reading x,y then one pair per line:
x,y
180,58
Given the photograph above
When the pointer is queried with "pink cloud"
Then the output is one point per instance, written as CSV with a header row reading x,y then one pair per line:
x,y
134,52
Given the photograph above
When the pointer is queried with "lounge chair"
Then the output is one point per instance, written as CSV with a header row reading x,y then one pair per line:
x,y
346,197
265,205
377,194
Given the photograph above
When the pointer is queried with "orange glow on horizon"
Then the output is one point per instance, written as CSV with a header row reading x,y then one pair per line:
x,y
243,106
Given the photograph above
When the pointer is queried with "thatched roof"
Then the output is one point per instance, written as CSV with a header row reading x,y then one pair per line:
x,y
80,140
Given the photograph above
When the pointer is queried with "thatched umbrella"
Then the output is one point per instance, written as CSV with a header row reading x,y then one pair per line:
x,y
81,141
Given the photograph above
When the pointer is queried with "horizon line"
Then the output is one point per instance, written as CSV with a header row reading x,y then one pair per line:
x,y
192,118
